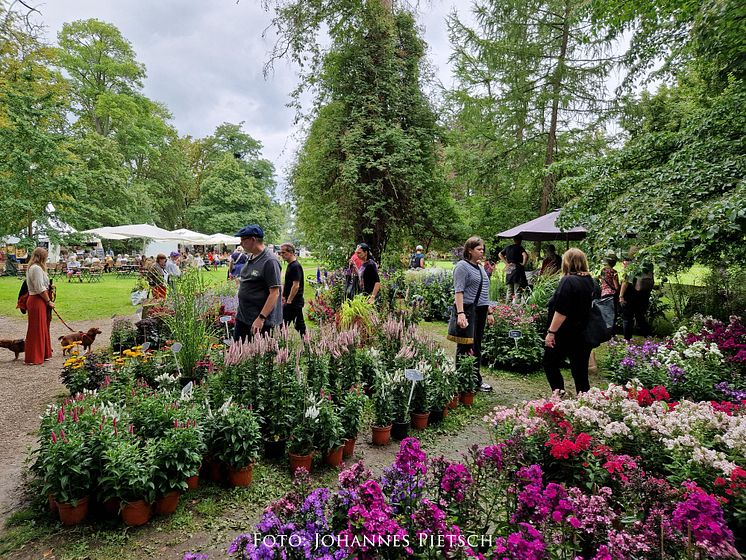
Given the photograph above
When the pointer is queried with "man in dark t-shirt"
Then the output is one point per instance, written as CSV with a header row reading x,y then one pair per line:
x,y
259,304
515,258
292,291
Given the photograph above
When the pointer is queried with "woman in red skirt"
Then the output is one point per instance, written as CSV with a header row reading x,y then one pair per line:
x,y
38,340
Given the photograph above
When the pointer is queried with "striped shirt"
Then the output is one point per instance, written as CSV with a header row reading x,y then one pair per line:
x,y
466,278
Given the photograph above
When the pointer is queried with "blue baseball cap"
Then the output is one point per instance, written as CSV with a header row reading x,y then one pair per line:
x,y
252,230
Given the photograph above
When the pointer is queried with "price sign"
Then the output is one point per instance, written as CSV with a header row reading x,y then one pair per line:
x,y
413,375
515,334
225,319
145,347
176,347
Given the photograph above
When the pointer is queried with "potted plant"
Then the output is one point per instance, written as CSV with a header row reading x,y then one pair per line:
x,y
65,467
329,433
383,410
441,392
236,441
351,416
176,457
301,441
400,404
421,403
127,475
467,379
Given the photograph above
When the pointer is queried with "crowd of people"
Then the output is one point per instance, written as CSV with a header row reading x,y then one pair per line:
x,y
265,301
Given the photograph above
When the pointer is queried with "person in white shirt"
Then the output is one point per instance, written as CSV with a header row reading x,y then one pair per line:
x,y
73,267
172,266
38,347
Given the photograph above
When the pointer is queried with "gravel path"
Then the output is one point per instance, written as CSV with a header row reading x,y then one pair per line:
x,y
25,392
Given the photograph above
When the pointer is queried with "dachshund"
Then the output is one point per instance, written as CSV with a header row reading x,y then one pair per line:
x,y
86,339
17,346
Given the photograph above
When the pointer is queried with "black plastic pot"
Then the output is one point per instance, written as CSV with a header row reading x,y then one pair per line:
x,y
399,430
274,449
436,417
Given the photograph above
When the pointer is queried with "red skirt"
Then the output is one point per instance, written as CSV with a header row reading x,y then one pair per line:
x,y
38,340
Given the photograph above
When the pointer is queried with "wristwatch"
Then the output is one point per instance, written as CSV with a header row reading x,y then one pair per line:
x,y
262,316
551,332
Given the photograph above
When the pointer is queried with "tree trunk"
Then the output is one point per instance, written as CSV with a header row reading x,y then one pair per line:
x,y
549,178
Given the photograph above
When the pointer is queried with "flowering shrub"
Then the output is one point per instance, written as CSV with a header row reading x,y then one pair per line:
x,y
522,354
614,437
488,507
707,365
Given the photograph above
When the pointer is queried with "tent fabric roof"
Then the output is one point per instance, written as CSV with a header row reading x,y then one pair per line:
x,y
543,228
152,232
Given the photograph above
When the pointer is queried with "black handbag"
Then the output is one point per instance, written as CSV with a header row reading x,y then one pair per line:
x,y
457,334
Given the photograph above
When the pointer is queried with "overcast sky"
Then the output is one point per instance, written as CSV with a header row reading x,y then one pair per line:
x,y
204,60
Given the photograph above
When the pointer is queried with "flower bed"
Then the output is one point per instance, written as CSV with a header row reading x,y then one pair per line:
x,y
706,361
486,506
627,434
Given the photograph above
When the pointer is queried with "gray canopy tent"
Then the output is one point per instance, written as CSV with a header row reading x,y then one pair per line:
x,y
543,228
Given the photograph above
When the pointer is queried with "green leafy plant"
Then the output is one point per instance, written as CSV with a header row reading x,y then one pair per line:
x,y
383,400
236,436
357,312
123,335
85,372
442,380
303,434
468,382
127,472
351,411
329,430
177,456
65,467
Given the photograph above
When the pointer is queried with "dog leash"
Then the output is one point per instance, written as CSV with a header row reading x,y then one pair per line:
x,y
63,321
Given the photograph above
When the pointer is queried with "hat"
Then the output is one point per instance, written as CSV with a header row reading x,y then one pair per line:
x,y
419,248
175,254
252,230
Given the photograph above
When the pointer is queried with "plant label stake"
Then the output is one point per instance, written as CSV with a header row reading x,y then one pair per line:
x,y
176,348
414,375
145,346
225,319
515,335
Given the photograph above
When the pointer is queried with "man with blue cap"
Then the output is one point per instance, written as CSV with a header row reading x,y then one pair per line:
x,y
259,303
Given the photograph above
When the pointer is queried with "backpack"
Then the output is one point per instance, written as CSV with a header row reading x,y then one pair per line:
x,y
414,261
645,281
600,325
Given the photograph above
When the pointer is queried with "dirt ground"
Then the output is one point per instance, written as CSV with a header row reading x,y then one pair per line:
x,y
25,392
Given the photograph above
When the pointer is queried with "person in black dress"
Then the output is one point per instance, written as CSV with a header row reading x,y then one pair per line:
x,y
569,309
370,281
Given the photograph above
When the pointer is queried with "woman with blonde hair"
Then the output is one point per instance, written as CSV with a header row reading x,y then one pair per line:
x,y
40,305
569,309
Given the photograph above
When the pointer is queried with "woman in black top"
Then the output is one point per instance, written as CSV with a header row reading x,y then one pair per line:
x,y
370,281
569,308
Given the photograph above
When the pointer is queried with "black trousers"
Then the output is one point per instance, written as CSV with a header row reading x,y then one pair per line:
x,y
294,314
476,348
634,311
243,331
578,352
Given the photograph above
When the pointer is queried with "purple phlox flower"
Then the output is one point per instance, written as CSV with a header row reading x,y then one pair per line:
x,y
675,372
701,514
456,481
429,519
524,544
495,454
195,556
411,459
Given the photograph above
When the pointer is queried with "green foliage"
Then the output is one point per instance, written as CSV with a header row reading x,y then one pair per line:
x,y
236,436
304,430
431,290
351,411
65,467
127,472
177,455
383,399
84,372
357,312
523,354
190,322
329,429
677,184
466,374
368,168
123,335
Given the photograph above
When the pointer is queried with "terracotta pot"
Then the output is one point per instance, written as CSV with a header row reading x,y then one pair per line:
x,y
467,399
274,449
454,402
73,515
52,503
419,420
436,417
381,434
300,461
166,505
192,482
241,477
136,513
334,457
399,430
349,447
446,410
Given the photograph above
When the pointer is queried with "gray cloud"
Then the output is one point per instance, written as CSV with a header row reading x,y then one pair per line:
x,y
204,61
